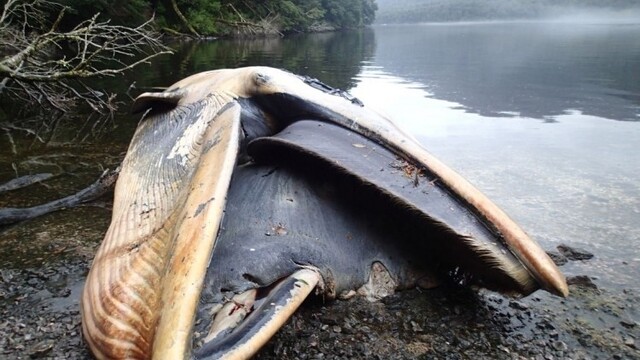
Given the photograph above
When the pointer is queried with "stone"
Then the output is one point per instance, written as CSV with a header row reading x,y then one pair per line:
x,y
572,253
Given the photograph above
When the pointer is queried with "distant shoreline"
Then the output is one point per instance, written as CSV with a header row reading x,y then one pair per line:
x,y
553,14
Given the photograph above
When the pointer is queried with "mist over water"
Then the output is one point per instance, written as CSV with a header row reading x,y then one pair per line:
x,y
565,11
592,16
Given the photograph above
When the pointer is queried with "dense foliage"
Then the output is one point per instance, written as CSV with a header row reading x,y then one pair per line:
x,y
233,17
399,11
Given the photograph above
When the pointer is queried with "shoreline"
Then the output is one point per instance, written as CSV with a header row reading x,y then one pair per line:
x,y
41,318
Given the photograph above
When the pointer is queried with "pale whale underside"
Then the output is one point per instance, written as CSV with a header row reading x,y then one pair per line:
x,y
245,190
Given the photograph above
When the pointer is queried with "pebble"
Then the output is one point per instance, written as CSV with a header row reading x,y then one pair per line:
x,y
581,281
628,324
41,349
415,327
574,254
560,346
557,258
518,305
630,342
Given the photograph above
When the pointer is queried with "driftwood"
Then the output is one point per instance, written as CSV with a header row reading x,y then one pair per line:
x,y
24,181
90,193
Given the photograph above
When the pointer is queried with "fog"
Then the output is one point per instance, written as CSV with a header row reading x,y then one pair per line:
x,y
592,15
589,11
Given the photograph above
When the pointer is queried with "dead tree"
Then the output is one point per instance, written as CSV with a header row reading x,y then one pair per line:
x,y
50,67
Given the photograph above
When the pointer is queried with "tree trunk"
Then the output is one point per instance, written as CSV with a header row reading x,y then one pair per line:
x,y
174,4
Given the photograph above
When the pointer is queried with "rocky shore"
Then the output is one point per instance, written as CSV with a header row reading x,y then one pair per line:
x,y
41,279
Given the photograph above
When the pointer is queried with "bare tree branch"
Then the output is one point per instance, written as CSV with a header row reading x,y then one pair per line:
x,y
48,67
264,26
105,183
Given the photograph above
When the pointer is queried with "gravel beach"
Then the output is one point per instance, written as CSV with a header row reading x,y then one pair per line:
x,y
44,265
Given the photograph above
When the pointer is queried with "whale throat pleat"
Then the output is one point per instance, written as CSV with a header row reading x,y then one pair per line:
x,y
120,304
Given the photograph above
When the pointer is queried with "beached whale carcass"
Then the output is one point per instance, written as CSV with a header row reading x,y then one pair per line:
x,y
245,190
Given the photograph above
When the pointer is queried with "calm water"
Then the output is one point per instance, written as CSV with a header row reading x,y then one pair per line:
x,y
544,118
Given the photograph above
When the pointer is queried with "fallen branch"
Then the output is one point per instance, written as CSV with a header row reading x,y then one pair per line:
x,y
24,181
92,192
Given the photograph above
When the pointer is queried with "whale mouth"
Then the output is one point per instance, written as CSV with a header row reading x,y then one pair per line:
x,y
237,145
360,219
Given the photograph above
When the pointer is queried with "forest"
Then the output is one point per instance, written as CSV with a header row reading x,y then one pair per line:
x,y
231,17
49,49
411,11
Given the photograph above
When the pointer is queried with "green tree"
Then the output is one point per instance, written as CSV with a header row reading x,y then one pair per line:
x,y
118,12
240,17
350,13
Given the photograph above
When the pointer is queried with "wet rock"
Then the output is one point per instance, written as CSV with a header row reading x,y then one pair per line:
x,y
41,349
581,281
557,258
330,319
518,305
628,324
560,346
574,254
630,342
415,327
64,292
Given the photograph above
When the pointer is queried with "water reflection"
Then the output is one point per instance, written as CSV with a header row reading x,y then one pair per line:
x,y
334,57
531,69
